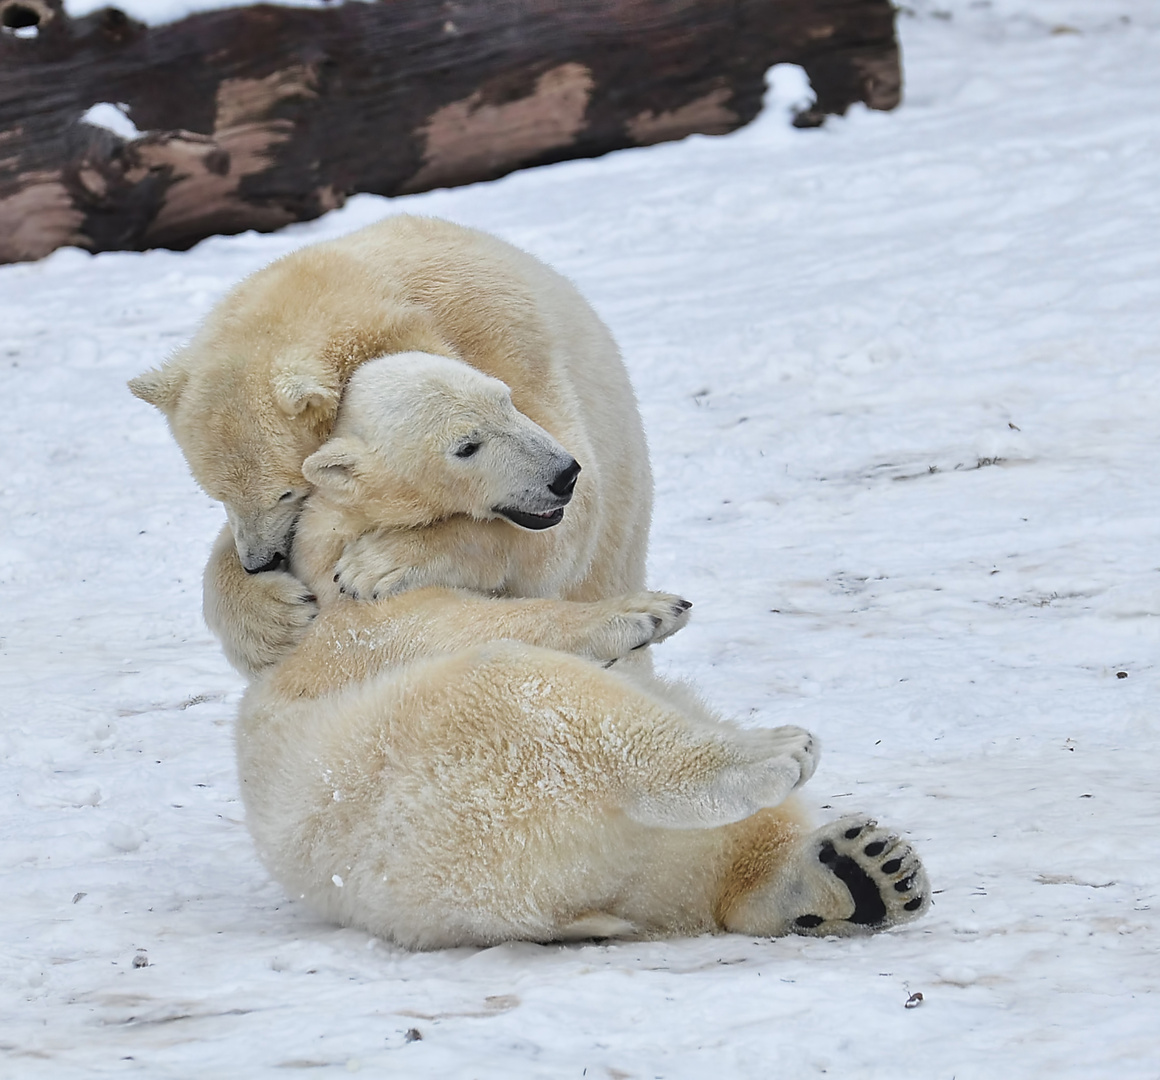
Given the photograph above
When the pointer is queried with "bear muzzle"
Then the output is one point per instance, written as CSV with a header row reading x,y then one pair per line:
x,y
560,488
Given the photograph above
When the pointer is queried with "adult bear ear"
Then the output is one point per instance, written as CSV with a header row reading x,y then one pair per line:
x,y
161,386
302,383
333,468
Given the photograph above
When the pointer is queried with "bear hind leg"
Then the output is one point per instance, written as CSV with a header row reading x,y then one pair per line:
x,y
847,878
721,782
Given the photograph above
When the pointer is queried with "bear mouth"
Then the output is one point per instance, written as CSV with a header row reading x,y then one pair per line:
x,y
525,519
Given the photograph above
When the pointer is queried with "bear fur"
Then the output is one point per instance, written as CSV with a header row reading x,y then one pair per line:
x,y
443,768
257,391
463,463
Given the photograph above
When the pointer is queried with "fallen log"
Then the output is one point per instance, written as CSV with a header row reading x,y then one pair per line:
x,y
253,117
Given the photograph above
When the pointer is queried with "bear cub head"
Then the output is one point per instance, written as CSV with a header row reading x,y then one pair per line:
x,y
421,438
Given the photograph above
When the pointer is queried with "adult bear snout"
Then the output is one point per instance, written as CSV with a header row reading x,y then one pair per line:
x,y
565,480
278,562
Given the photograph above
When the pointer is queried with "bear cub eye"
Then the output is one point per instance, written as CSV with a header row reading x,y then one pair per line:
x,y
467,450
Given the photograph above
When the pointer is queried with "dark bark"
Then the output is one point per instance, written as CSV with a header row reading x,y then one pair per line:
x,y
263,115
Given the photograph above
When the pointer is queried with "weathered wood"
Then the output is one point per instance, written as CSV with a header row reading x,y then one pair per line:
x,y
257,116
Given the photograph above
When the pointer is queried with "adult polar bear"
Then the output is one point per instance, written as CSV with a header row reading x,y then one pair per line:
x,y
258,388
404,778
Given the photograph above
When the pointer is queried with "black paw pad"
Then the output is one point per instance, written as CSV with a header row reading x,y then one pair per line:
x,y
808,922
892,867
904,885
852,834
869,907
913,905
827,854
875,848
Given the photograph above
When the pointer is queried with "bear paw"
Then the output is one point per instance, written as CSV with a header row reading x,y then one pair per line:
x,y
863,879
377,565
362,573
632,622
778,761
262,621
371,584
763,768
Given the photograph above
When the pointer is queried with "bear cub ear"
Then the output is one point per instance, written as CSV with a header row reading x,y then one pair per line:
x,y
160,387
333,468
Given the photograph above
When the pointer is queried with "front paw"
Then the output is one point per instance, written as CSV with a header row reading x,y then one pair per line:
x,y
367,583
261,619
634,621
368,570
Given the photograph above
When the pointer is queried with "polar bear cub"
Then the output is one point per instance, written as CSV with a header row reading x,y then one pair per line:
x,y
433,477
443,768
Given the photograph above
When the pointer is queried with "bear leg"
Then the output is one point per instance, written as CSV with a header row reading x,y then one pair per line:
x,y
847,878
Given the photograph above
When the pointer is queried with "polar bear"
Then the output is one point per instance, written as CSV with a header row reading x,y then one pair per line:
x,y
443,768
258,389
463,463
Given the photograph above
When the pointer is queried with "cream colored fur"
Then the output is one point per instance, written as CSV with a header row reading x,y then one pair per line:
x,y
257,391
401,777
444,768
408,491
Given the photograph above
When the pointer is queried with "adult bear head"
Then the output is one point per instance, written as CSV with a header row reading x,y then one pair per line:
x,y
257,389
245,448
422,438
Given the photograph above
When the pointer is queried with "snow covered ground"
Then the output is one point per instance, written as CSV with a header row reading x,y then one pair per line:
x,y
901,378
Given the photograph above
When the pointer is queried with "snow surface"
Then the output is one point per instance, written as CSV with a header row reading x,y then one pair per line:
x,y
114,118
901,378
158,12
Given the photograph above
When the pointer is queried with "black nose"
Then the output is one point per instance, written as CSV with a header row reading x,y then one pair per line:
x,y
278,562
565,480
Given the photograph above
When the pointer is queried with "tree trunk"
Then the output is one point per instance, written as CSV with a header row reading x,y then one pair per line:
x,y
253,117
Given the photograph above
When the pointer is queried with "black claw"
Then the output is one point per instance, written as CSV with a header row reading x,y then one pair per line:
x,y
656,622
827,854
684,605
904,885
913,905
892,867
808,922
337,576
852,833
310,598
876,848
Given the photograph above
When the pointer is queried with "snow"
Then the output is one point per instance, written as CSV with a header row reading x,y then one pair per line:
x,y
159,12
114,118
901,380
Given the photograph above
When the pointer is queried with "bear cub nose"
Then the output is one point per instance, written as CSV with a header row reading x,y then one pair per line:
x,y
565,480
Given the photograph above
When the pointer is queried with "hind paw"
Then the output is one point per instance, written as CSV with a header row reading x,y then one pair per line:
x,y
881,876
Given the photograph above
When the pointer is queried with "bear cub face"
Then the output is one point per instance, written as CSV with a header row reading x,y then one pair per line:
x,y
421,438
